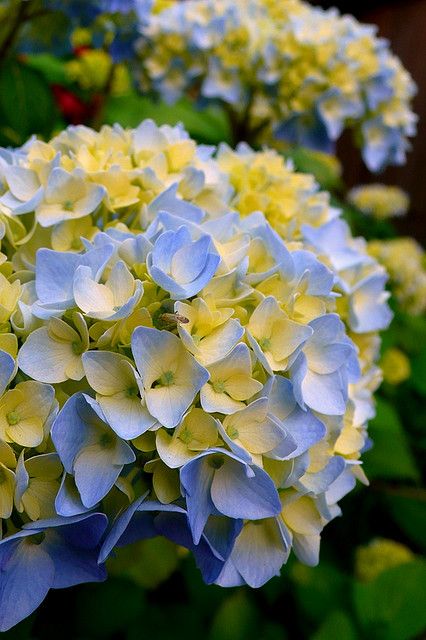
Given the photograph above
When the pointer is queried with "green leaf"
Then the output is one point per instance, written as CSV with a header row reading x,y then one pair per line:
x,y
235,620
209,126
390,456
392,606
418,369
148,563
320,589
410,514
337,626
26,104
107,609
325,168
50,67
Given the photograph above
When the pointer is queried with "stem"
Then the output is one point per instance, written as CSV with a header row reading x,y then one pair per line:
x,y
20,18
415,493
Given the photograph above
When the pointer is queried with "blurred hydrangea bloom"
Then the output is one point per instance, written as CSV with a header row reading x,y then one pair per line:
x,y
377,556
287,70
380,200
405,260
188,348
395,365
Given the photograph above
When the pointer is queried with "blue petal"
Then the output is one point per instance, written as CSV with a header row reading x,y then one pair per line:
x,y
196,478
244,492
7,368
26,575
260,552
70,429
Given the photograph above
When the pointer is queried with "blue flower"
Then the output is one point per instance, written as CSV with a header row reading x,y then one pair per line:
x,y
88,448
149,518
171,377
55,274
218,481
48,554
181,266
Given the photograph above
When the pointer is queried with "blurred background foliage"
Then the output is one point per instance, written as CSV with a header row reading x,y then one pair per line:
x,y
371,582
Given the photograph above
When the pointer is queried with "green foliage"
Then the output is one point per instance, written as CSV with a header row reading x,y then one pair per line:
x,y
155,592
326,169
392,606
26,104
235,619
147,563
391,456
336,626
210,125
410,514
50,67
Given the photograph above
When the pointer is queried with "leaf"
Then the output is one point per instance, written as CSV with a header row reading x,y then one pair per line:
x,y
418,372
390,456
50,67
320,589
26,104
147,563
410,514
325,168
104,610
236,619
337,626
209,126
392,606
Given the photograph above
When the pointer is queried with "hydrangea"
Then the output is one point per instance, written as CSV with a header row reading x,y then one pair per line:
x,y
379,200
187,348
284,70
405,260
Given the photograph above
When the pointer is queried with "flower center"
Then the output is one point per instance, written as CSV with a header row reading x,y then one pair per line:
x,y
68,205
106,441
37,538
132,392
13,418
219,386
185,435
77,348
167,378
265,344
216,461
232,432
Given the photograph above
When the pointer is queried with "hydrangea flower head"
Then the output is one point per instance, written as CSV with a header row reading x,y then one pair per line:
x,y
197,361
379,200
283,70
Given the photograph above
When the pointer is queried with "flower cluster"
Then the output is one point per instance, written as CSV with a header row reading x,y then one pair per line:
x,y
405,260
289,70
380,200
169,362
112,25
